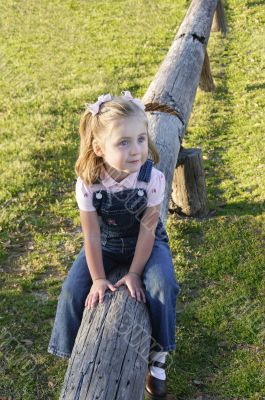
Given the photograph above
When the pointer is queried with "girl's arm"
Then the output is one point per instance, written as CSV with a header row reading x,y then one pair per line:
x,y
145,239
93,251
92,243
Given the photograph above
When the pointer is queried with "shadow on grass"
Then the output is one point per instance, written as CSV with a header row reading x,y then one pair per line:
x,y
255,3
251,88
240,208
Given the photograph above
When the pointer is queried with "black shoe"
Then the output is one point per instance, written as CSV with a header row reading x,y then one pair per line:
x,y
155,389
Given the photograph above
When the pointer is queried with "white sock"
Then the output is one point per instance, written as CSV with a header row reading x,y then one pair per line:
x,y
157,372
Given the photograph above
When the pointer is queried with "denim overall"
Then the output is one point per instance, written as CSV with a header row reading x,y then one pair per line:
x,y
120,214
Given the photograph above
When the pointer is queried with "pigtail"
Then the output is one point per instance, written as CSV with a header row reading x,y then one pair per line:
x,y
88,165
153,153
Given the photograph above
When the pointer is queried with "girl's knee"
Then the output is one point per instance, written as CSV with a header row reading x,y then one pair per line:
x,y
157,278
74,289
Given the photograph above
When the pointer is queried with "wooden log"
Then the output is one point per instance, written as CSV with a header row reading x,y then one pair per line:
x,y
189,189
206,81
110,356
219,20
175,84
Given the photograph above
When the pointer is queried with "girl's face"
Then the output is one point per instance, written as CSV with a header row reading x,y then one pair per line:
x,y
125,148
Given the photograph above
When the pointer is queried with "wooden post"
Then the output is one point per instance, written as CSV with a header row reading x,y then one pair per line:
x,y
206,82
189,190
110,356
219,20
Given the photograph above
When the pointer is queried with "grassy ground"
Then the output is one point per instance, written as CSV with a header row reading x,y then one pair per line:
x,y
56,56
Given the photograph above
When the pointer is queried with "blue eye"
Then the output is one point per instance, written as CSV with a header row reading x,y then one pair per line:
x,y
123,142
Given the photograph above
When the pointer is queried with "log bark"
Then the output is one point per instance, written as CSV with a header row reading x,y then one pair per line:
x,y
175,84
110,356
189,189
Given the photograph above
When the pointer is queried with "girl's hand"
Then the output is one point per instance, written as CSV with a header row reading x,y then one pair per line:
x,y
97,292
134,283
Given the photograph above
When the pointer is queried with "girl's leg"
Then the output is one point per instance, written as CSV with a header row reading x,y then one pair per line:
x,y
71,304
161,290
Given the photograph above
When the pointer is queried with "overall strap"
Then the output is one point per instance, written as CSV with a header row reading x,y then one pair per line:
x,y
145,171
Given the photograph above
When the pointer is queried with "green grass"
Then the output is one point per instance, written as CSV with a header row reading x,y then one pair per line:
x,y
54,57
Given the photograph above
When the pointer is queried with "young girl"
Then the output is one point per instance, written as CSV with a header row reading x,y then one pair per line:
x,y
119,193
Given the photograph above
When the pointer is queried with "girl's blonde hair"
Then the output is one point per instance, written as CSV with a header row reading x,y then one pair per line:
x,y
88,165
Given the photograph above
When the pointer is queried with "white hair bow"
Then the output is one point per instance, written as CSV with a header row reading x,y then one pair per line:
x,y
127,95
94,108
